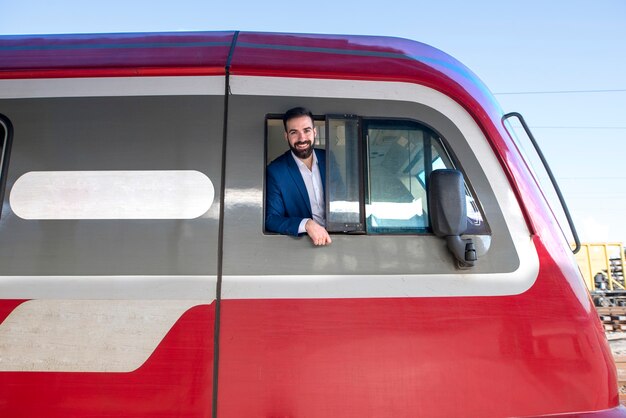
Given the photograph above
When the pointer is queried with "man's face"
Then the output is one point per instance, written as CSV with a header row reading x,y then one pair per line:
x,y
300,135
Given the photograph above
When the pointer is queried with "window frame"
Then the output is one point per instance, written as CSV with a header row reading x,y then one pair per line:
x,y
364,168
351,228
5,152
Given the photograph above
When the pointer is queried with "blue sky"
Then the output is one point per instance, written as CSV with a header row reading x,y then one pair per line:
x,y
560,63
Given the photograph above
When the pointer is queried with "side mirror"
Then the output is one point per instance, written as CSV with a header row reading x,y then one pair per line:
x,y
448,213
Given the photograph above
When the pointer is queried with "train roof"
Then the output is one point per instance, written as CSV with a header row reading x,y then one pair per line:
x,y
244,53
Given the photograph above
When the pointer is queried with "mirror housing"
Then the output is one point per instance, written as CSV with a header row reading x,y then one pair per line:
x,y
448,213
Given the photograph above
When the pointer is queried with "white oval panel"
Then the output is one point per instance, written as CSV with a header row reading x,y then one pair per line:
x,y
159,194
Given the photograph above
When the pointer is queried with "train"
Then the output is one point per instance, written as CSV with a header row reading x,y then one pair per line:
x,y
602,267
137,277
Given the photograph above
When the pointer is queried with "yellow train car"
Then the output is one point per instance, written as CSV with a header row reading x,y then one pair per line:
x,y
602,266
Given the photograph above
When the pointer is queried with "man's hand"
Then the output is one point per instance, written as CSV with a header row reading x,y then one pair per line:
x,y
318,234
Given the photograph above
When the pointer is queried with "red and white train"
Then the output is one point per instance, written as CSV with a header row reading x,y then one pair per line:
x,y
137,279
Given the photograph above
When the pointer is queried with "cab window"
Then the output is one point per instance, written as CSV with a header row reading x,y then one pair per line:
x,y
400,157
377,173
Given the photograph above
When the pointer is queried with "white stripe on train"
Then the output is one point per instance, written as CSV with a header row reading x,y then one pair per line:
x,y
86,335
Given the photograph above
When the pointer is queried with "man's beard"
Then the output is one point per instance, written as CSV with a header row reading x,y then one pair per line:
x,y
302,153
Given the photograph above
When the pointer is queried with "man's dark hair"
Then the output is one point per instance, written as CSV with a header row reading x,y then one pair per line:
x,y
294,113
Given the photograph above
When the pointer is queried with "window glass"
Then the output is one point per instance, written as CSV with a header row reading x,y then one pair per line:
x,y
401,155
344,212
400,158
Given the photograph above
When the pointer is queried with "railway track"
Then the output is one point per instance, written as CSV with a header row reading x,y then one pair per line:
x,y
620,363
613,318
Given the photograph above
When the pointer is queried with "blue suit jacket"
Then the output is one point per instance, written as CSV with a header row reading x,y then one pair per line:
x,y
287,201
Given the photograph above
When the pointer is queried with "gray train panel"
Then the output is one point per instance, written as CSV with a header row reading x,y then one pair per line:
x,y
108,134
250,251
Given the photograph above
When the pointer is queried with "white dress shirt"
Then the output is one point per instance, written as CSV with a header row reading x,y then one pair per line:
x,y
313,182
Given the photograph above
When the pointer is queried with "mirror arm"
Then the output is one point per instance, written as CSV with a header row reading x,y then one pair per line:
x,y
462,249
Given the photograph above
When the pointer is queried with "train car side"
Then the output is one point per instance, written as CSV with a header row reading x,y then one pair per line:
x,y
137,278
